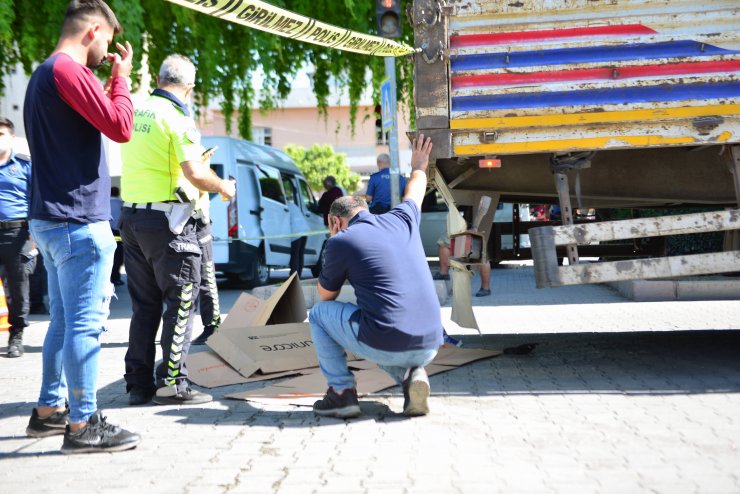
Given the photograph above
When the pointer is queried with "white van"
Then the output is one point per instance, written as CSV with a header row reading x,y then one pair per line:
x,y
251,233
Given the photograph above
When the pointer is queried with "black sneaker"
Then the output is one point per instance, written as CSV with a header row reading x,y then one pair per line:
x,y
170,396
99,436
15,344
343,405
207,332
52,425
416,392
139,396
483,292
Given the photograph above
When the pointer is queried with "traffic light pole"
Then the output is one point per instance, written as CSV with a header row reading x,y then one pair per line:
x,y
390,72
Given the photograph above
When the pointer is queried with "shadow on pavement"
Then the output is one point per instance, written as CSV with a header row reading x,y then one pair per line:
x,y
655,363
241,413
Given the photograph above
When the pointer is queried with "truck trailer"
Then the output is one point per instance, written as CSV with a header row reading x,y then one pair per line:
x,y
586,103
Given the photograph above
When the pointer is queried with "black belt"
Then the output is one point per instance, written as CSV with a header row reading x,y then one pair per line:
x,y
8,224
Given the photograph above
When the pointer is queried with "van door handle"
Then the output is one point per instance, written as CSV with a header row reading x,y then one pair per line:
x,y
256,212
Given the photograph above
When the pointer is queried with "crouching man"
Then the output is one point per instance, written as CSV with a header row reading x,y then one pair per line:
x,y
396,322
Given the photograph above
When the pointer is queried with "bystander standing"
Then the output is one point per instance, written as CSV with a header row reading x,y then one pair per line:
x,y
65,111
17,252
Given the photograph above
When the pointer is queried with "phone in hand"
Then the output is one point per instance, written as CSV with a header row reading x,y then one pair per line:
x,y
209,152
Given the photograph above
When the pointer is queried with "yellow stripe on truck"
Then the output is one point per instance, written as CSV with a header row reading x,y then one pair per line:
x,y
281,22
594,117
569,144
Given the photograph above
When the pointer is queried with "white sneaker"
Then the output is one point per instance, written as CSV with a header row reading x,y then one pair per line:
x,y
416,392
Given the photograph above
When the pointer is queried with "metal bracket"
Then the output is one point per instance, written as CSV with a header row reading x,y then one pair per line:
x,y
439,54
488,136
447,10
424,14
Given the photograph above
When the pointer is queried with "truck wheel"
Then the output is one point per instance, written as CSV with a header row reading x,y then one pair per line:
x,y
260,271
316,270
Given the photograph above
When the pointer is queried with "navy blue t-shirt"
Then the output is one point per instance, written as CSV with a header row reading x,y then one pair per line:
x,y
64,113
383,258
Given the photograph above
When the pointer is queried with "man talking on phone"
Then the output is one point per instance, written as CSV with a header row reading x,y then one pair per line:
x,y
65,111
163,175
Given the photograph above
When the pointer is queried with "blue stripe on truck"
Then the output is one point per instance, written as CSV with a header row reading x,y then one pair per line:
x,y
645,94
562,56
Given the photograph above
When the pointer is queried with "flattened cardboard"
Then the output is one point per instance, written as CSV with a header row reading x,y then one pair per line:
x,y
267,335
210,371
304,389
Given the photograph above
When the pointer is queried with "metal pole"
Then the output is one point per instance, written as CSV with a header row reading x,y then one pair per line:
x,y
566,213
390,72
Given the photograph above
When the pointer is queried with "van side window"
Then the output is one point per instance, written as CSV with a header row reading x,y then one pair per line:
x,y
289,189
270,184
307,198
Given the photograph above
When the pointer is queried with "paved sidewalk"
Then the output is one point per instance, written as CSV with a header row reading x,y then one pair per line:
x,y
627,411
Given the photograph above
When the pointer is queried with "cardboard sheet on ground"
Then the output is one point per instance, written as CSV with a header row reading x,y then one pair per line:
x,y
210,371
304,389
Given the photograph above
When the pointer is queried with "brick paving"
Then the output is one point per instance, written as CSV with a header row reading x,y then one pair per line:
x,y
628,408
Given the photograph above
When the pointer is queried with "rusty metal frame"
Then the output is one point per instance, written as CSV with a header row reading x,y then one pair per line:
x,y
545,239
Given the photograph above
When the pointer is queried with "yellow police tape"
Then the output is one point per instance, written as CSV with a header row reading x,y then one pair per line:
x,y
265,17
219,240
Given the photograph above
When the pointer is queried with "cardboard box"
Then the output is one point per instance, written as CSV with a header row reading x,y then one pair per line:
x,y
267,335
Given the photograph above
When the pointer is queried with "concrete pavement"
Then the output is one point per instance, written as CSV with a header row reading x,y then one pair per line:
x,y
631,408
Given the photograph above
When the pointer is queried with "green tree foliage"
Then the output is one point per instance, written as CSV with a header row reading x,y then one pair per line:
x,y
320,161
227,55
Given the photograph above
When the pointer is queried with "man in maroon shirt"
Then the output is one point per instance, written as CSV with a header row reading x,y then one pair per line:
x,y
327,198
65,111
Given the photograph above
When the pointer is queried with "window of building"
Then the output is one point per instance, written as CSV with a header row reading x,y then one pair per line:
x,y
381,138
262,135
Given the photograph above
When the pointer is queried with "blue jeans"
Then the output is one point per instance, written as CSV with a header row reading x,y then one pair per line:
x,y
78,259
332,332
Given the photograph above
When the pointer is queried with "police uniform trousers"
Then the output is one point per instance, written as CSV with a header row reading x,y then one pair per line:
x,y
163,269
18,263
210,312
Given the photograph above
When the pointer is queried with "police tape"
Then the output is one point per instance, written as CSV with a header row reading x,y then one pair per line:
x,y
265,17
219,240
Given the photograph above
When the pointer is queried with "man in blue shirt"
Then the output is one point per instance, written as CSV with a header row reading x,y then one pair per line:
x,y
396,321
16,248
379,187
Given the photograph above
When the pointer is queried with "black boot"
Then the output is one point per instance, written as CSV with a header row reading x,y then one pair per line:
x,y
15,343
207,332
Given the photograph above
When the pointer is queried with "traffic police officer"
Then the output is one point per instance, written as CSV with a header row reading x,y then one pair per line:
x,y
162,177
17,253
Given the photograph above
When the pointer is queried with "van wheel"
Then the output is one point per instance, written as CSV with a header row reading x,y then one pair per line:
x,y
260,271
316,270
